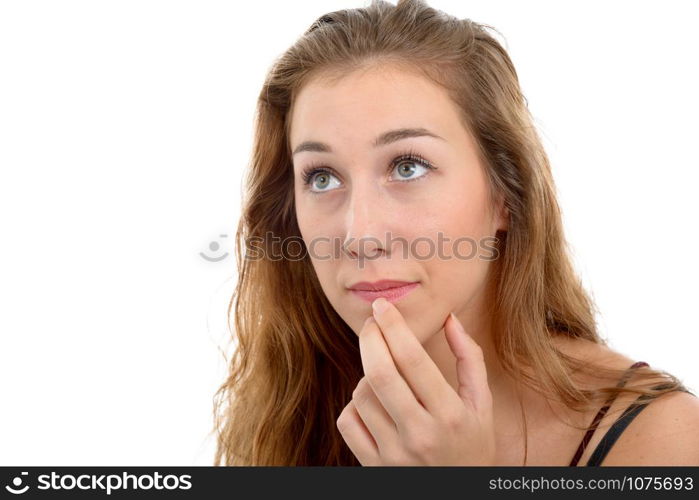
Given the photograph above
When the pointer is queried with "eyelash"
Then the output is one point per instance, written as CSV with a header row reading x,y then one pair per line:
x,y
315,168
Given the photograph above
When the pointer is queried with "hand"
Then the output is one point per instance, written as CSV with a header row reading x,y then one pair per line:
x,y
414,417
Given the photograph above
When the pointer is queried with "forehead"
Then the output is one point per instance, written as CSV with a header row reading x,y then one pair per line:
x,y
364,103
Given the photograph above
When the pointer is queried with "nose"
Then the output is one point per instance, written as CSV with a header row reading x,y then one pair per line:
x,y
364,221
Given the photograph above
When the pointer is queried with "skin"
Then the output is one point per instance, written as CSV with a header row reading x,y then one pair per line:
x,y
453,200
426,382
403,412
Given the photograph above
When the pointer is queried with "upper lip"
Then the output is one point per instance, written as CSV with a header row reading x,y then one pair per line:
x,y
379,285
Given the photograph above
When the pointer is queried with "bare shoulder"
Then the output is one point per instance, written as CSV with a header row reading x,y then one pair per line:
x,y
664,433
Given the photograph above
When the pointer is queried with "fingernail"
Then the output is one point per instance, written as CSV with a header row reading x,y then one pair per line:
x,y
379,305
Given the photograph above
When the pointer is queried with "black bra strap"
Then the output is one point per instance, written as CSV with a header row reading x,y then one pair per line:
x,y
614,432
618,427
600,414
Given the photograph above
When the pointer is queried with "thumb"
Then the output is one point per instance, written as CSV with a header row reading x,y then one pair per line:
x,y
471,372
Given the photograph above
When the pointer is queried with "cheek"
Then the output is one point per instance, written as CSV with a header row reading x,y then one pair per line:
x,y
326,271
457,224
453,222
314,228
320,251
304,216
456,280
322,248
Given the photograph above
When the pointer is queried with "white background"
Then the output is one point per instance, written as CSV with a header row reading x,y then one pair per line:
x,y
125,128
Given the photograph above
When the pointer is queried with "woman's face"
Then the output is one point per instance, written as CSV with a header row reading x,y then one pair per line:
x,y
371,215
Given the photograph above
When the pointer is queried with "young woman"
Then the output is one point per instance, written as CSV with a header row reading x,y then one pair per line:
x,y
432,316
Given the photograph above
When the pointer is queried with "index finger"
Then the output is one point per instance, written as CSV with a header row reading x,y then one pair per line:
x,y
417,367
388,385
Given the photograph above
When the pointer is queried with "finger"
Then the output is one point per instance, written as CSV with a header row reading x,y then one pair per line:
x,y
357,436
416,366
471,372
389,387
379,423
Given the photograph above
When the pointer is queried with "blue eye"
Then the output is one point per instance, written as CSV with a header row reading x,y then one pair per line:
x,y
314,173
406,174
321,173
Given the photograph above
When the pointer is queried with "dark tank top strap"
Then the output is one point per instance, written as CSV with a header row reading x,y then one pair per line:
x,y
614,432
601,413
621,423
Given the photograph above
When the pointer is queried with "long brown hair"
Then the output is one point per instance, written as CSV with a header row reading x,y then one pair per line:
x,y
296,361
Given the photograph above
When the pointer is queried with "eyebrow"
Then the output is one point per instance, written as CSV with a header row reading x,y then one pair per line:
x,y
382,140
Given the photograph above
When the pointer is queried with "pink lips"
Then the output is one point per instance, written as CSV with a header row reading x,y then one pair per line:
x,y
391,290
